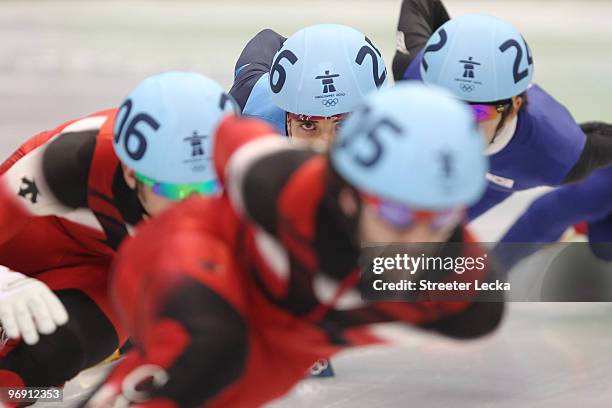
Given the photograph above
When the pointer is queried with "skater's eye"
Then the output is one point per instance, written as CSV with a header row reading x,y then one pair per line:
x,y
308,126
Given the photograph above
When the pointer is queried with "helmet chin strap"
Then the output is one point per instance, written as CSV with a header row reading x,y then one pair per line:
x,y
503,136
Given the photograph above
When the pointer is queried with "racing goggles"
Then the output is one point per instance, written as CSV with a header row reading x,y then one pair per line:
x,y
402,217
177,192
488,111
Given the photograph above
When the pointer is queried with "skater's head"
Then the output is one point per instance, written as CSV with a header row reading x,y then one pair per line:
x,y
484,61
163,137
318,77
401,174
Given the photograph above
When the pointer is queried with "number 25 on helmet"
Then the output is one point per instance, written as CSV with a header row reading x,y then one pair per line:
x,y
413,145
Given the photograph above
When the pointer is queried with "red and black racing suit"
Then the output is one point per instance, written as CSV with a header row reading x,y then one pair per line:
x,y
64,210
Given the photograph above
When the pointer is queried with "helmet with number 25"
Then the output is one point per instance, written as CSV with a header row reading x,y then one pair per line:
x,y
325,70
395,147
164,131
479,58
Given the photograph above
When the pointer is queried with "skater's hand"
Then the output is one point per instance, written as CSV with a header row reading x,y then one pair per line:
x,y
130,385
28,307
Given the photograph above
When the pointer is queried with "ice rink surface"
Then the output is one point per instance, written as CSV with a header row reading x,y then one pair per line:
x,y
60,60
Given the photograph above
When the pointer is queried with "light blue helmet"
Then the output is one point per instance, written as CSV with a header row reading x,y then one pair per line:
x,y
325,70
415,145
164,129
479,58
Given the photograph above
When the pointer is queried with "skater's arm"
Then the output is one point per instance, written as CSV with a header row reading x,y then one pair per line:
x,y
597,151
550,215
48,174
260,50
460,320
600,238
197,347
417,22
255,164
49,180
460,314
182,302
479,319
490,199
254,61
236,134
13,214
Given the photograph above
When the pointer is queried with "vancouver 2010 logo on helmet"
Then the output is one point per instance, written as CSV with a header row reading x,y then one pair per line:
x,y
469,80
469,67
330,94
198,158
327,81
195,141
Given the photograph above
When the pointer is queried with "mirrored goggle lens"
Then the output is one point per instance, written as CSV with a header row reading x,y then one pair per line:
x,y
483,113
405,218
177,192
402,217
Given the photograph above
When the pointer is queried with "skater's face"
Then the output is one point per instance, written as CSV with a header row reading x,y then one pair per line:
x,y
316,133
153,203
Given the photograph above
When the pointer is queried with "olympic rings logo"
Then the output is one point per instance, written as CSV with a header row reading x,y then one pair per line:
x,y
466,87
330,102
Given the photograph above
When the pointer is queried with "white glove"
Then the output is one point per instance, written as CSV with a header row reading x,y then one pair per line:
x,y
28,307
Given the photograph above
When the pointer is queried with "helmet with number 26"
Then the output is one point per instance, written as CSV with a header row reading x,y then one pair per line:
x,y
164,130
395,147
479,58
325,70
